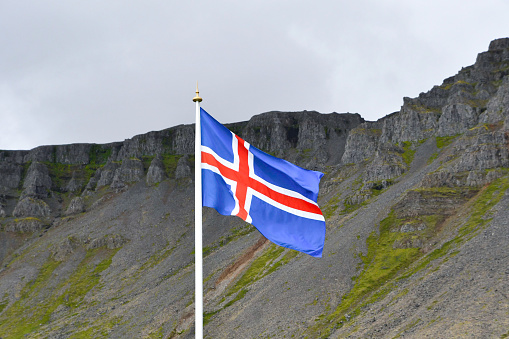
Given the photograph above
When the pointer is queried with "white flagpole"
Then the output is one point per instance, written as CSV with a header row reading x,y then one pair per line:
x,y
198,257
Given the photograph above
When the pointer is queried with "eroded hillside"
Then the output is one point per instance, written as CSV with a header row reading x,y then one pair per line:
x,y
97,240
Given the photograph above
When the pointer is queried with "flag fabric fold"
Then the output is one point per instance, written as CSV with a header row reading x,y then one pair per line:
x,y
275,196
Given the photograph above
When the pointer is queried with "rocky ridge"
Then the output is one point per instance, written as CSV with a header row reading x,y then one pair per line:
x,y
95,240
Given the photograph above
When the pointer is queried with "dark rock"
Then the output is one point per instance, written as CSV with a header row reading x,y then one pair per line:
x,y
183,169
37,183
10,176
156,171
73,154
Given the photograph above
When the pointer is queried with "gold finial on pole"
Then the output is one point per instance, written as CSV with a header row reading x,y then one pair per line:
x,y
197,97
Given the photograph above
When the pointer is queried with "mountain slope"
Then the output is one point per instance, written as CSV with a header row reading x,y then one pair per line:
x,y
97,240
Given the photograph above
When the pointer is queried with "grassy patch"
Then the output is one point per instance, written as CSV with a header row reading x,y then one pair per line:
x,y
158,257
85,334
445,141
258,269
60,174
382,263
459,82
170,164
207,316
4,302
21,319
432,158
409,152
331,206
159,334
100,330
420,108
27,316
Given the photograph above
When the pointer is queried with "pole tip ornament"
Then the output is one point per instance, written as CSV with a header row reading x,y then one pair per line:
x,y
197,97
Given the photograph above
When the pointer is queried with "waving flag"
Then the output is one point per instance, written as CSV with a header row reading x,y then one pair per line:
x,y
275,196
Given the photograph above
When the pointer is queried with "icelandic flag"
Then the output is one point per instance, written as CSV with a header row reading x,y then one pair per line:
x,y
275,196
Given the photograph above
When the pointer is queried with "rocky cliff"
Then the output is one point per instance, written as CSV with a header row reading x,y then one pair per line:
x,y
97,240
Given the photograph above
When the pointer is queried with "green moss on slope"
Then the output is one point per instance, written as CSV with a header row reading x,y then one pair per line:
x,y
409,152
383,264
27,315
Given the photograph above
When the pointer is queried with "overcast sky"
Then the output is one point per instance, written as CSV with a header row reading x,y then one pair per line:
x,y
101,71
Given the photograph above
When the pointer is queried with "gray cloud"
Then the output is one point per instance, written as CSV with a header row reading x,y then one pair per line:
x,y
101,71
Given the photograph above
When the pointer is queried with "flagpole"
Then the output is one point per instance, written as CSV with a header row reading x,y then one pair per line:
x,y
198,257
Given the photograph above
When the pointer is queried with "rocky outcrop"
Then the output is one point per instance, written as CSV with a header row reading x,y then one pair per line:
x,y
131,170
455,105
179,140
456,119
74,185
422,202
25,225
183,168
387,163
31,207
111,241
77,205
10,176
37,183
156,171
474,103
320,139
106,174
362,143
64,249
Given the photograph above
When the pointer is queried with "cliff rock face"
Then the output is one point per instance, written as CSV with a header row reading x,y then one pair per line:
x,y
11,176
37,182
156,172
98,240
183,169
30,207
